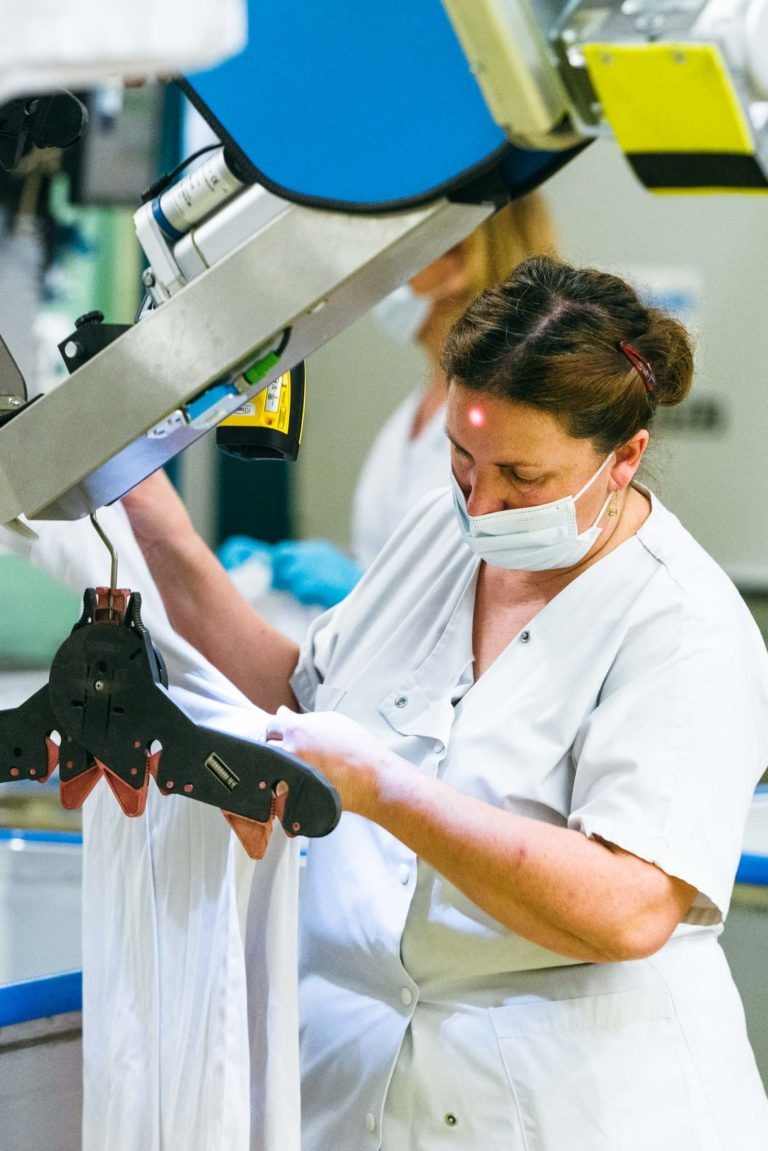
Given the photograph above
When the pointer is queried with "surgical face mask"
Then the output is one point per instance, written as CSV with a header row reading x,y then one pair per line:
x,y
402,314
537,538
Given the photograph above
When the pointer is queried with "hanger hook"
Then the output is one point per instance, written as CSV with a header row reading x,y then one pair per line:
x,y
108,544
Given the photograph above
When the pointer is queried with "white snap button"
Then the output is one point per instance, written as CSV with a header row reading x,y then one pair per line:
x,y
401,701
407,996
370,1121
404,873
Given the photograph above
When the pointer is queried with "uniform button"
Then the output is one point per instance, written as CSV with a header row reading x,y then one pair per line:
x,y
404,873
401,701
451,1119
407,996
525,636
370,1121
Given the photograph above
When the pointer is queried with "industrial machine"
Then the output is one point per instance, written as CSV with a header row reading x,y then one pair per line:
x,y
356,144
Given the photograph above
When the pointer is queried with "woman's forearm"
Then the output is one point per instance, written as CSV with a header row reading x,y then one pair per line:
x,y
202,603
573,895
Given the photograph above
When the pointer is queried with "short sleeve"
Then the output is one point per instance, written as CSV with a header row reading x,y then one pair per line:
x,y
314,658
667,762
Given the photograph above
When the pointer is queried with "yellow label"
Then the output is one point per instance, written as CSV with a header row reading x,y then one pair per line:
x,y
669,98
269,408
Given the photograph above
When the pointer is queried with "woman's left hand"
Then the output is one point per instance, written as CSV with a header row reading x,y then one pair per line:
x,y
341,749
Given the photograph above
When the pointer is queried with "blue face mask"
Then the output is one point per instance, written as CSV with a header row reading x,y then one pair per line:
x,y
538,538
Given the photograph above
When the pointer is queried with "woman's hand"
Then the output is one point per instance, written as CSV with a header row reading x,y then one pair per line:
x,y
352,760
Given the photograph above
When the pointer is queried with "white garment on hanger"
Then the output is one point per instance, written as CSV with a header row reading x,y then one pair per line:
x,y
189,948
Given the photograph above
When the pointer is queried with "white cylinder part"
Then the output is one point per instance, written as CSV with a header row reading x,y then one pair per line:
x,y
199,192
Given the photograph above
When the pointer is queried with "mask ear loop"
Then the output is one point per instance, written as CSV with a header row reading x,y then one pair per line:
x,y
588,484
592,479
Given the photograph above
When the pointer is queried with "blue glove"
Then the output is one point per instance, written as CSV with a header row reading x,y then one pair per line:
x,y
314,571
237,550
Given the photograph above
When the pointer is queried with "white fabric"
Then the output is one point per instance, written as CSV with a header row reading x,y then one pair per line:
x,y
397,472
46,43
189,1016
634,706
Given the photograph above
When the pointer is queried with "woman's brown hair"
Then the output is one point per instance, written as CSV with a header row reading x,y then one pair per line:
x,y
550,335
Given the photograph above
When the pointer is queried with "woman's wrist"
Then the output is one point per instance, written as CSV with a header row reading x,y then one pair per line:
x,y
391,787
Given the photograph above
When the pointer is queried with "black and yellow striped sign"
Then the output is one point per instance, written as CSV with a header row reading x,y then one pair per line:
x,y
676,115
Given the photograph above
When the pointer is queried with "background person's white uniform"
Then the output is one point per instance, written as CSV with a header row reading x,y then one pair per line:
x,y
633,707
398,470
189,948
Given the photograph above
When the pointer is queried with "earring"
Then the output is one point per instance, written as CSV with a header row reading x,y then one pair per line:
x,y
613,510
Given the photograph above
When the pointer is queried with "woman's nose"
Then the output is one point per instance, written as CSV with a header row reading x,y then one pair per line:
x,y
485,497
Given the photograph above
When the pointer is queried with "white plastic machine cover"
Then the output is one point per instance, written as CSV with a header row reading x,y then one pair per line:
x,y
49,44
189,948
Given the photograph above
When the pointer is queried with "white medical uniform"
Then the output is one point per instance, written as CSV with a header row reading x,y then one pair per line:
x,y
397,472
633,707
189,948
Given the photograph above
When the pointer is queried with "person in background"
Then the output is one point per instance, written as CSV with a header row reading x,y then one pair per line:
x,y
545,709
411,445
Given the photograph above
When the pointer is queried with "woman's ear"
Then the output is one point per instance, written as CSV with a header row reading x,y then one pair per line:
x,y
628,458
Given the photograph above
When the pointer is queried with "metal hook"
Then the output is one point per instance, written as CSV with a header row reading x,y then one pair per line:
x,y
113,554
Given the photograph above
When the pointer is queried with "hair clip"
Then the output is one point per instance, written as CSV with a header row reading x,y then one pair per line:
x,y
640,364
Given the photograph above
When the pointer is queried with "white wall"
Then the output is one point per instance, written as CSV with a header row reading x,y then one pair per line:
x,y
716,481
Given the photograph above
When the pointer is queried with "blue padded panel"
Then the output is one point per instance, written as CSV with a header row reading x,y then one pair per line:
x,y
351,103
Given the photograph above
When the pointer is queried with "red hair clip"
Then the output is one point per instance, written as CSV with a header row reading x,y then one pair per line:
x,y
640,364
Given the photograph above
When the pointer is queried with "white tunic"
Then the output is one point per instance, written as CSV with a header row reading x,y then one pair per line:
x,y
397,472
634,706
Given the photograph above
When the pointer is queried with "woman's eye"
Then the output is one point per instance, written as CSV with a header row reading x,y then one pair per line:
x,y
524,480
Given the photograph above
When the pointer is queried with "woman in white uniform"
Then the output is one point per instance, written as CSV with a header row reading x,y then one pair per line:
x,y
545,709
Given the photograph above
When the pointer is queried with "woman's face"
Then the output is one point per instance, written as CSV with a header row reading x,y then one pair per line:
x,y
506,454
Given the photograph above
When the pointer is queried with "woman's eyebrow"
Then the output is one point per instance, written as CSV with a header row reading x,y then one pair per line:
x,y
506,464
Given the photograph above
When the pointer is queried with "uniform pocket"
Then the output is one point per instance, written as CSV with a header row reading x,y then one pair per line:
x,y
603,1073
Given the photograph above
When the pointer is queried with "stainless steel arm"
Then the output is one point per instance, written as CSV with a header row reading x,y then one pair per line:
x,y
307,272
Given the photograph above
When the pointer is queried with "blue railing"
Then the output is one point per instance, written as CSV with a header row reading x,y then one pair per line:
x,y
57,994
40,998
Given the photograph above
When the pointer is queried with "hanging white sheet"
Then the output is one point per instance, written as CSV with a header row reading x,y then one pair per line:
x,y
189,948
